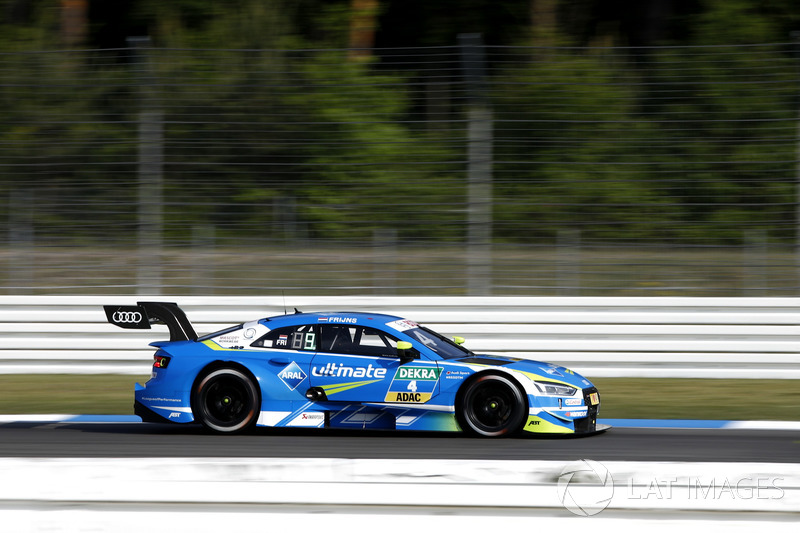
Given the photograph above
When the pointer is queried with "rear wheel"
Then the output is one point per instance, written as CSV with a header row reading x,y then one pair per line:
x,y
492,406
226,400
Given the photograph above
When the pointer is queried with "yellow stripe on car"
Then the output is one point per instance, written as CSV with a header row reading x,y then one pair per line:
x,y
341,387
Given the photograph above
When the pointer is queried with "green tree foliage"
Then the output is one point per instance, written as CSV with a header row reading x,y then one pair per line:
x,y
691,144
738,104
562,156
66,138
310,143
370,170
230,24
263,129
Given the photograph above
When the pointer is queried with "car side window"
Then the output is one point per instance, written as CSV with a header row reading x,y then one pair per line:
x,y
291,338
338,338
357,340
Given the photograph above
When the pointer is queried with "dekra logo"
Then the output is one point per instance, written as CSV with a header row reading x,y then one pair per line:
x,y
419,373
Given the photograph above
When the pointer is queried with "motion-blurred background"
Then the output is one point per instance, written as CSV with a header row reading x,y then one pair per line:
x,y
470,147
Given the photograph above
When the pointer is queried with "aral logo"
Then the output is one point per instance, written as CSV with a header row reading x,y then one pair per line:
x,y
418,373
292,375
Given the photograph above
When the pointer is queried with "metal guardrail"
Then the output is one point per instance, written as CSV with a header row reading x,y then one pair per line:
x,y
598,337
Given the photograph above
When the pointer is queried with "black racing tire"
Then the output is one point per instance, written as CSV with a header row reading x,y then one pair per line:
x,y
226,400
492,406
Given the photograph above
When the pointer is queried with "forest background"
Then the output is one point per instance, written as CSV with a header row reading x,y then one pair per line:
x,y
284,126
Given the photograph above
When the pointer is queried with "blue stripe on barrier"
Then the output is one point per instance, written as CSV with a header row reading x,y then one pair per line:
x,y
663,423
108,419
641,423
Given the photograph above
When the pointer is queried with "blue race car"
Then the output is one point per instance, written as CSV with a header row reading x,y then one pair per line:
x,y
348,370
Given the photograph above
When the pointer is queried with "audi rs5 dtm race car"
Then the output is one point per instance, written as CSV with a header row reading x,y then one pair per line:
x,y
348,370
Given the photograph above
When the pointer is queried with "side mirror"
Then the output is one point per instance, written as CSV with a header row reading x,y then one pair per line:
x,y
406,352
458,340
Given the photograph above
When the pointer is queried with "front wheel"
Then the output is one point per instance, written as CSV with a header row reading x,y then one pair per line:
x,y
492,406
226,401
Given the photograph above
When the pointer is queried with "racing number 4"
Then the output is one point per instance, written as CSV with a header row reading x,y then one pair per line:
x,y
412,386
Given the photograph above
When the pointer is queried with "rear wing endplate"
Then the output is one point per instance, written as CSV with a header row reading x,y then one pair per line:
x,y
141,315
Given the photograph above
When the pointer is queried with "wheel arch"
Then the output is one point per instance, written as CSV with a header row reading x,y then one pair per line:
x,y
218,365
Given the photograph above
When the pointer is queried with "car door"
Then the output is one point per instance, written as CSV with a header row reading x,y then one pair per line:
x,y
360,364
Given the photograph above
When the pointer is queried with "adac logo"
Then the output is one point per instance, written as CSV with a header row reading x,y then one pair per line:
x,y
292,375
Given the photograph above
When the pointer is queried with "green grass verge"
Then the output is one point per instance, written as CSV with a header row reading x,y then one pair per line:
x,y
67,394
699,399
714,399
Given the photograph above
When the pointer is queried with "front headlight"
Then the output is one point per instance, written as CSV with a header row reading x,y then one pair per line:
x,y
549,388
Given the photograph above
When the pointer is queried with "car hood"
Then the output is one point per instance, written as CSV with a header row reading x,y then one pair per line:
x,y
534,369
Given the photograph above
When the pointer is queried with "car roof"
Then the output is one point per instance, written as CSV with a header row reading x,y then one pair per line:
x,y
330,317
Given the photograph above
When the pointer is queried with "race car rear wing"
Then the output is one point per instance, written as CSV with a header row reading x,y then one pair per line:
x,y
141,315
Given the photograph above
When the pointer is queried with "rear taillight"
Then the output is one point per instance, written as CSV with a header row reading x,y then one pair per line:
x,y
160,361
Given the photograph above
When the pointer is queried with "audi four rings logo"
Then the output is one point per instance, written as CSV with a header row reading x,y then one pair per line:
x,y
127,317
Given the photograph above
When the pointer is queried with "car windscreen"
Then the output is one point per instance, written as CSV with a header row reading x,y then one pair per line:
x,y
444,347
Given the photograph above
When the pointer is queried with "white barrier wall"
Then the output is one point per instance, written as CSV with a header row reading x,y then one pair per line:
x,y
206,494
599,337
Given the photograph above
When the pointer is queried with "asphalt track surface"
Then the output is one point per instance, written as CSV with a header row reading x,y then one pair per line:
x,y
26,439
